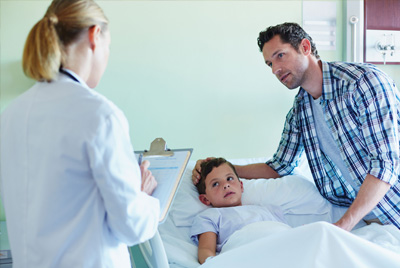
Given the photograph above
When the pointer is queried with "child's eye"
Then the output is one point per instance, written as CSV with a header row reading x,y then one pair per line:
x,y
230,179
280,55
215,184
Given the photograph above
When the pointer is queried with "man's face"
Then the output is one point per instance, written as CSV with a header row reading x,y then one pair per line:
x,y
223,188
287,64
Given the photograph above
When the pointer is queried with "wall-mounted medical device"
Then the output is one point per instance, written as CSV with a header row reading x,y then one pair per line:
x,y
373,31
382,31
382,46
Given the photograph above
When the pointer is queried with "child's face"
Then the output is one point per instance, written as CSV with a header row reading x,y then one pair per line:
x,y
223,188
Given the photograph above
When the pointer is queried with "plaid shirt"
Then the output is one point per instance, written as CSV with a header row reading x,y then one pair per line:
x,y
361,106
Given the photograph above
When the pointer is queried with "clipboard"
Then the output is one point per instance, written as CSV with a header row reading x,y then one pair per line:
x,y
167,167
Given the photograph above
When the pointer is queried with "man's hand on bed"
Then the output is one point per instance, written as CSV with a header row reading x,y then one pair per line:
x,y
197,170
372,190
149,183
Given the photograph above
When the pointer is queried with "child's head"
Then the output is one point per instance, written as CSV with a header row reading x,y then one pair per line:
x,y
219,184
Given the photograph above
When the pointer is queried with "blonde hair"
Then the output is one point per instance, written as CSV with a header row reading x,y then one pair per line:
x,y
44,51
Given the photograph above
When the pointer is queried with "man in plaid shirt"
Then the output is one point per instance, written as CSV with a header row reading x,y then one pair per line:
x,y
346,119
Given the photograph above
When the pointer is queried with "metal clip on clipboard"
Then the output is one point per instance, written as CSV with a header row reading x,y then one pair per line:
x,y
158,148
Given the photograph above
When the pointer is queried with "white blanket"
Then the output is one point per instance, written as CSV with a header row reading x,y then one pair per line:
x,y
317,244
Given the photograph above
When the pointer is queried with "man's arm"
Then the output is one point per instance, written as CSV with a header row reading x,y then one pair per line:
x,y
376,113
207,246
371,192
256,171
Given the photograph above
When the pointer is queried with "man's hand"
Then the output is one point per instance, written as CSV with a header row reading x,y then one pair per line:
x,y
372,191
197,170
149,183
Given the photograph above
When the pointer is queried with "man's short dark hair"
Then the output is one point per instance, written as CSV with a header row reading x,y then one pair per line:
x,y
290,33
207,167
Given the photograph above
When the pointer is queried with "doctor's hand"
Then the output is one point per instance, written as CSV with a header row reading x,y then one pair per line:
x,y
149,183
197,170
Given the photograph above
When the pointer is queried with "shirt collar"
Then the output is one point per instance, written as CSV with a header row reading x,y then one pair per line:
x,y
328,87
73,76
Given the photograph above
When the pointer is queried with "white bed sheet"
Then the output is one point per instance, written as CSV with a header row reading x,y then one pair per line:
x,y
319,244
315,243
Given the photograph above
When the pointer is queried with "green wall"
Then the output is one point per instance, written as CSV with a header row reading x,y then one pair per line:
x,y
187,71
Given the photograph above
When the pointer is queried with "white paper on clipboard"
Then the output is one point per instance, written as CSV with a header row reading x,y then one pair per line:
x,y
168,172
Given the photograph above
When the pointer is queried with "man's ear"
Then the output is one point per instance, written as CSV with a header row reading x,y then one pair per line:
x,y
305,46
94,36
241,185
203,199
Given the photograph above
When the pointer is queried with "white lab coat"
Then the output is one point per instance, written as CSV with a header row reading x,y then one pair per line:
x,y
71,185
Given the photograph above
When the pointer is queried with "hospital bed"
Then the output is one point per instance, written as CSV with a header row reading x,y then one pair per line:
x,y
310,241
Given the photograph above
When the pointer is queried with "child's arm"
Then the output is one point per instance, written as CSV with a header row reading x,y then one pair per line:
x,y
207,246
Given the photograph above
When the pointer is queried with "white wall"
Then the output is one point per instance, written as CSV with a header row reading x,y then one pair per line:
x,y
191,72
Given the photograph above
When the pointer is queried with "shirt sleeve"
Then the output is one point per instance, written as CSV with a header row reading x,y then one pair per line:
x,y
378,108
132,215
204,222
290,148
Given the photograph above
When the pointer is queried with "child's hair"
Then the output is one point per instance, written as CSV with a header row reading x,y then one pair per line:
x,y
207,167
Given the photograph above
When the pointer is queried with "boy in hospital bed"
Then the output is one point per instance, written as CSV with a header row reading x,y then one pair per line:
x,y
220,188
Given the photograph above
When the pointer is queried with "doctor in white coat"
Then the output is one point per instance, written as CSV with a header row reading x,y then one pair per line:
x,y
73,193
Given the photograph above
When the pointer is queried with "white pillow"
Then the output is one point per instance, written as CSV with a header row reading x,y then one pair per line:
x,y
186,204
295,194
